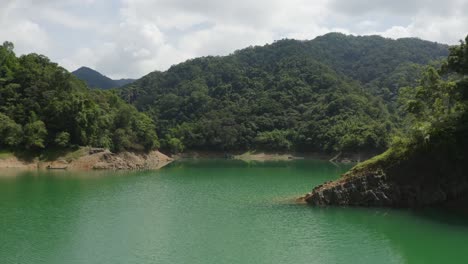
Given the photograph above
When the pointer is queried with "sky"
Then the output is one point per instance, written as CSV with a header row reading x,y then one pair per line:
x,y
130,38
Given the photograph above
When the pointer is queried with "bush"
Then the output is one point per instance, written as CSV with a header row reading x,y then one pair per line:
x,y
11,133
274,140
174,145
62,139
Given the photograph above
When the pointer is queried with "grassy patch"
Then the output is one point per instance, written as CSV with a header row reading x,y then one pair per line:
x,y
392,156
52,154
5,154
76,154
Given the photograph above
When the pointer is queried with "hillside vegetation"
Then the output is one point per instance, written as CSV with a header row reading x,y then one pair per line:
x,y
333,93
429,163
44,106
437,114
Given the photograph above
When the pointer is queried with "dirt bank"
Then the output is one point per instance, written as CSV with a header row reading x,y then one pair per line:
x,y
15,163
249,156
93,158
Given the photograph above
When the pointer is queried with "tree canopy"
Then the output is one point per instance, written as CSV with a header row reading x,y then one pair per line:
x,y
42,105
333,93
437,107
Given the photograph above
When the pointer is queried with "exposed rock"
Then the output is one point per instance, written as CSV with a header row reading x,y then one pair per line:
x,y
96,150
351,157
58,165
250,156
416,181
95,158
371,190
132,161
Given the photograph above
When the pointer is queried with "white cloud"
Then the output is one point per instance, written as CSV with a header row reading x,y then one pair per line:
x,y
130,38
83,56
167,32
395,7
436,28
27,35
66,19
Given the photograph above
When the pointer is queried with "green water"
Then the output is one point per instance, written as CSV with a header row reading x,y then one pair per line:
x,y
210,211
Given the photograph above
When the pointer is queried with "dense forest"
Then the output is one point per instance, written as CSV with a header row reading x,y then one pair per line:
x,y
428,164
44,106
333,93
96,80
436,114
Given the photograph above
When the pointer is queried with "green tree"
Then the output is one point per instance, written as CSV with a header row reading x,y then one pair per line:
x,y
35,134
11,134
62,139
335,93
42,105
274,140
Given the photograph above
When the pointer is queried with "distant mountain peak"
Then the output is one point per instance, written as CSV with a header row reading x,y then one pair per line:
x,y
95,79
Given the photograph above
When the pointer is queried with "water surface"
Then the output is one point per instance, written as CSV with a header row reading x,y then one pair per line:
x,y
210,211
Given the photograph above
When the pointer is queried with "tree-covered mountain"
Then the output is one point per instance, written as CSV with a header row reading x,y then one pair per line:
x,y
428,165
123,82
94,79
329,94
42,106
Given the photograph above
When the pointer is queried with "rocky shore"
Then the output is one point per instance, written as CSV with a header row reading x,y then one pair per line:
x,y
94,159
419,180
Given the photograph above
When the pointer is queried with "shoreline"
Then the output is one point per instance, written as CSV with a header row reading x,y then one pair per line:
x,y
247,156
87,158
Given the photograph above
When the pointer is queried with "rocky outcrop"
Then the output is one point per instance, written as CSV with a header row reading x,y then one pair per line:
x,y
371,190
94,159
419,180
131,161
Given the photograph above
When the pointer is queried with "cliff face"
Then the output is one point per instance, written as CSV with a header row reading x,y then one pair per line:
x,y
419,179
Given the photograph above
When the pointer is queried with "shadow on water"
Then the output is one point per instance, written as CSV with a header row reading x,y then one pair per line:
x,y
426,235
449,216
430,235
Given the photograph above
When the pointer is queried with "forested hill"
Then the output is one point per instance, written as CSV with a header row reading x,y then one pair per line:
x,y
328,94
383,65
428,165
44,106
94,79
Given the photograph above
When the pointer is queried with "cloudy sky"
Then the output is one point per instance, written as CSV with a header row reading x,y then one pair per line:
x,y
129,38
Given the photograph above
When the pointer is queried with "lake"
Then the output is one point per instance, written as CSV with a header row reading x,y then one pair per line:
x,y
210,211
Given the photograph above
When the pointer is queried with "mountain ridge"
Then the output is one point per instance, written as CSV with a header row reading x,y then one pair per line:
x,y
95,79
328,94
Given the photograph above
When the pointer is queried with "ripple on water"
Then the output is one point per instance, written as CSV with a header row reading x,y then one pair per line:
x,y
208,212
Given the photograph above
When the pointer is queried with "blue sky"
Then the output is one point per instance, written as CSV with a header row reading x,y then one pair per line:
x,y
130,38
